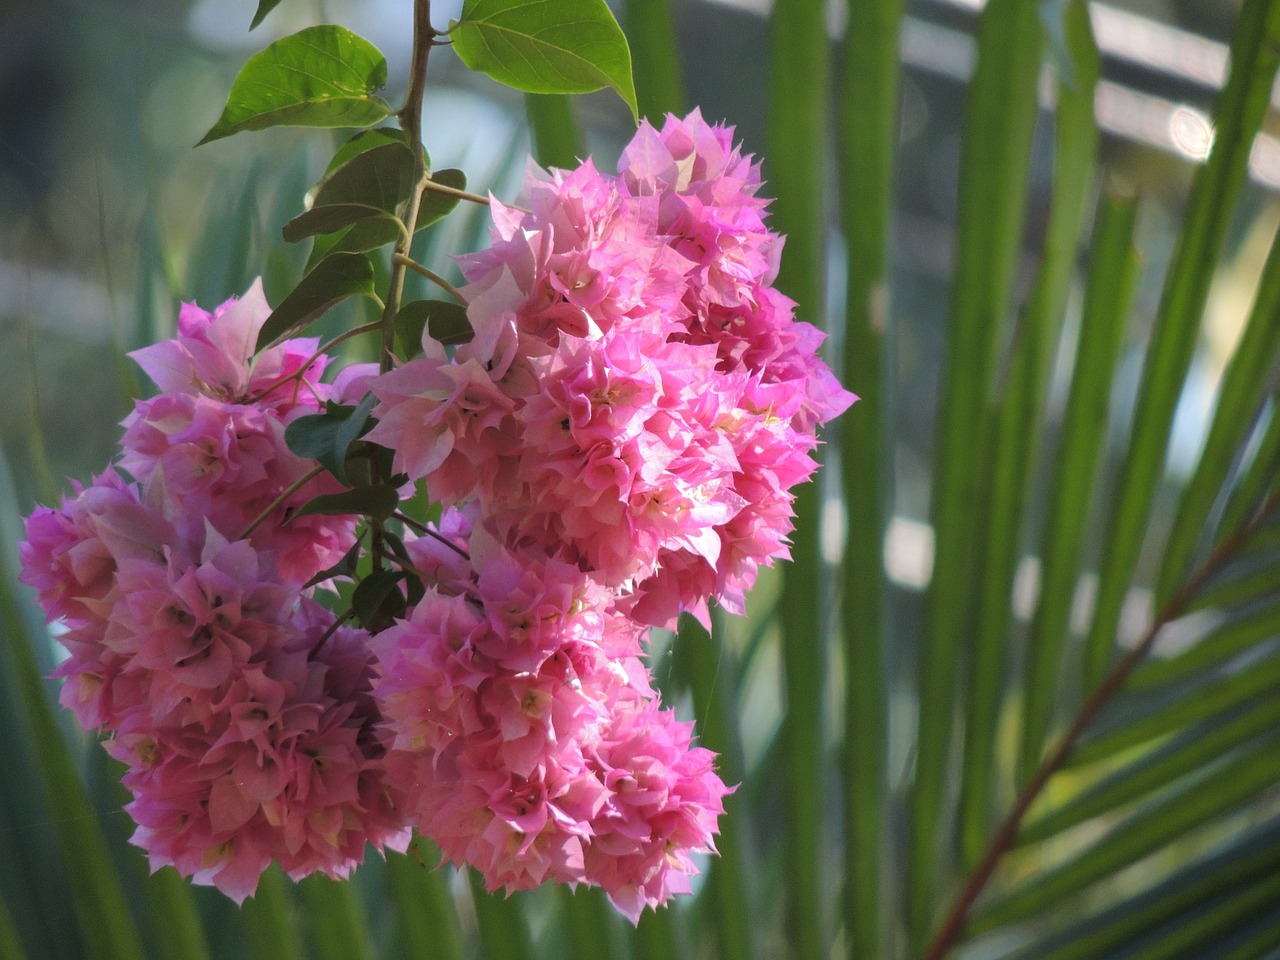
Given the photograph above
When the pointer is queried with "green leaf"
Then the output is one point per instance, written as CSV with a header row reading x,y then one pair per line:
x,y
323,76
370,228
729,883
502,926
332,280
378,502
435,205
315,437
588,920
1255,55
994,167
264,8
1108,295
377,599
373,183
868,134
445,320
95,886
1170,817
1244,384
333,918
354,426
557,140
655,61
424,905
327,437
363,142
1230,640
10,945
1192,751
1259,473
1124,728
270,918
1018,425
799,77
546,46
1244,862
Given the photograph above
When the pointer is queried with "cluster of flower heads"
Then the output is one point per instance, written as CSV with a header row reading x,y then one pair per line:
x,y
616,444
243,712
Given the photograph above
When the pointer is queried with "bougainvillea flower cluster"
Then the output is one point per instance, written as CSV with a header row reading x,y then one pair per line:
x,y
243,713
614,445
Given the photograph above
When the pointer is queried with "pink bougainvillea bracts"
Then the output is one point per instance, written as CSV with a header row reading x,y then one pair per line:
x,y
614,444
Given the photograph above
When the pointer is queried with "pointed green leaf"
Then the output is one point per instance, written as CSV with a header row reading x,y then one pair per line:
x,y
655,59
363,142
1223,643
356,425
338,216
371,227
1188,753
424,904
370,185
1018,425
334,919
327,437
1243,385
994,167
1241,863
1109,291
546,46
445,320
378,502
1124,728
264,8
334,279
315,437
557,140
323,76
436,204
377,599
1174,815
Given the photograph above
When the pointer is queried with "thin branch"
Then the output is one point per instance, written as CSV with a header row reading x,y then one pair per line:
x,y
416,267
285,494
953,925
410,117
301,371
411,523
426,531
333,628
435,187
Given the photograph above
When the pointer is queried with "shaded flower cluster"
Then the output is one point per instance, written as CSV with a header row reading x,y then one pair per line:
x,y
622,434
616,444
242,712
527,733
637,398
